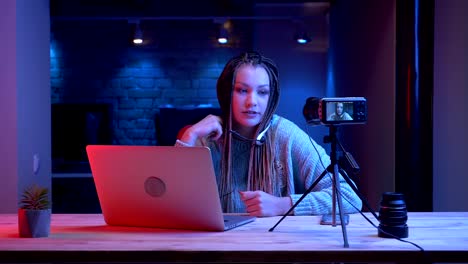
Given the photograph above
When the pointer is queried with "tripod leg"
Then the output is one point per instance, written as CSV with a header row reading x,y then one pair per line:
x,y
337,186
302,197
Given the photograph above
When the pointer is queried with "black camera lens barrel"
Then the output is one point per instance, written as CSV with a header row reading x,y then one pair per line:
x,y
393,216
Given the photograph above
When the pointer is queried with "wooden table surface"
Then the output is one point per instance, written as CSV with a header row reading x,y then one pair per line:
x,y
86,238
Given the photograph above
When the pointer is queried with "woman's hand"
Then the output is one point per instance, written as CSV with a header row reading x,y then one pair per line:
x,y
210,126
259,203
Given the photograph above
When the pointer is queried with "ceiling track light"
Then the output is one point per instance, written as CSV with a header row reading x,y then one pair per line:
x,y
223,35
302,38
138,34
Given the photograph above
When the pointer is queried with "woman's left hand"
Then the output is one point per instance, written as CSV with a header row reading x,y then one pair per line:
x,y
259,203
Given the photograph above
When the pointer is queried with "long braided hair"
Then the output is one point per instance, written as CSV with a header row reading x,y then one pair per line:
x,y
261,175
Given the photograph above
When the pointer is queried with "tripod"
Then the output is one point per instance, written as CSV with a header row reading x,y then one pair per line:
x,y
336,194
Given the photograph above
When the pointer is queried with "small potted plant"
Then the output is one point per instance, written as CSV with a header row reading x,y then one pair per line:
x,y
34,213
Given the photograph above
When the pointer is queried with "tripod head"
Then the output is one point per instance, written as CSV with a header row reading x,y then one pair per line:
x,y
331,137
341,156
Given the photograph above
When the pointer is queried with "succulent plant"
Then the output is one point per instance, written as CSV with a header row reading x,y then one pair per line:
x,y
35,197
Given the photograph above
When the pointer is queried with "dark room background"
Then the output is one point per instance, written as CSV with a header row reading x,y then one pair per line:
x,y
107,90
94,62
78,55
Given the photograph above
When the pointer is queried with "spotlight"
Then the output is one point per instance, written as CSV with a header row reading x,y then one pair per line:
x,y
223,35
138,35
302,38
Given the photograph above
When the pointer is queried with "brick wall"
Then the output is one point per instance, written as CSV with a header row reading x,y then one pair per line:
x,y
94,62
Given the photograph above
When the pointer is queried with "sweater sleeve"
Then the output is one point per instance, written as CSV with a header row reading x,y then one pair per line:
x,y
306,161
180,143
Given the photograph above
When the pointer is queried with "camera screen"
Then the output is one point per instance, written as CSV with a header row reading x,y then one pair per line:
x,y
339,111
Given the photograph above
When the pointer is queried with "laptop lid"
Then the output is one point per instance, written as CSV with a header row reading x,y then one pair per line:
x,y
158,186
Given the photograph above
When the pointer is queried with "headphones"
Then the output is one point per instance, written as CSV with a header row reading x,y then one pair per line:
x,y
260,138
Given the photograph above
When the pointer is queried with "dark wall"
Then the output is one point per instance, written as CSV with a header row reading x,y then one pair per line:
x,y
93,61
450,94
362,63
414,100
362,50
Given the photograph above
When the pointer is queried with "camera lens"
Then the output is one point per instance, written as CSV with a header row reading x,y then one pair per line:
x,y
393,216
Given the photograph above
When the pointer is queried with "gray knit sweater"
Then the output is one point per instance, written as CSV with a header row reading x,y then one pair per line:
x,y
299,164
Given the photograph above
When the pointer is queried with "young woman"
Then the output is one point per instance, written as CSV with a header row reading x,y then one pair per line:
x,y
340,113
263,162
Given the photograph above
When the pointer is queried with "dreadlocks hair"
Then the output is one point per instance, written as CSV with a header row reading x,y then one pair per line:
x,y
261,175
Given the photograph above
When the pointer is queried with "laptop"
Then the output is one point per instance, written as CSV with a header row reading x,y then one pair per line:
x,y
160,187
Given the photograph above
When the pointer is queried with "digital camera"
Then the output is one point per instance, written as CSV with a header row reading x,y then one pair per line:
x,y
335,110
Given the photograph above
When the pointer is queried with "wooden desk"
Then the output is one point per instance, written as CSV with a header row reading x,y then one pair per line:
x,y
86,238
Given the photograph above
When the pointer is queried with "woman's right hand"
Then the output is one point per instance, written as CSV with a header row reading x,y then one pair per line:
x,y
210,126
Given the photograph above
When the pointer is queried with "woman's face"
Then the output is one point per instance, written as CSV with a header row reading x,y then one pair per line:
x,y
250,98
339,108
